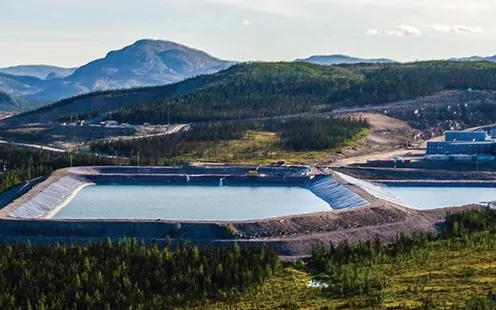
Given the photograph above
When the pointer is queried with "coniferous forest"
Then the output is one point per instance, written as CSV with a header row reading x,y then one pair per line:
x,y
128,275
19,165
366,275
294,134
261,90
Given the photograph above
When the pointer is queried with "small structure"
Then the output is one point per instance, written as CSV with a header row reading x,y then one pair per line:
x,y
109,123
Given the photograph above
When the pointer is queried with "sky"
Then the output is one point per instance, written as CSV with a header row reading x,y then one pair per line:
x,y
73,32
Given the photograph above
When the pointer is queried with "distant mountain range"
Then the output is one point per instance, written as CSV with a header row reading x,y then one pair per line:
x,y
42,72
144,63
341,59
475,58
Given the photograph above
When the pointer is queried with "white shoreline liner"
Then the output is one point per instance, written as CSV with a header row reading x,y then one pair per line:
x,y
374,190
66,200
46,203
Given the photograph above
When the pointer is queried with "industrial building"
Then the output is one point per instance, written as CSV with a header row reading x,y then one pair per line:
x,y
467,148
464,143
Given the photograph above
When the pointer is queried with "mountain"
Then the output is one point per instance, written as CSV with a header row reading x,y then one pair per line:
x,y
20,85
475,58
39,71
144,63
341,59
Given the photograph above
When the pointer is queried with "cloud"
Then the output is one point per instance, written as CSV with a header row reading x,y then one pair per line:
x,y
373,32
404,31
457,29
246,22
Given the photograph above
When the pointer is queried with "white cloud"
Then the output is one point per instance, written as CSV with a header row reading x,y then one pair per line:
x,y
457,29
246,22
404,31
373,32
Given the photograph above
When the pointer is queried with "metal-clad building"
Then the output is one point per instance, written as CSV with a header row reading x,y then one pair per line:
x,y
469,148
465,135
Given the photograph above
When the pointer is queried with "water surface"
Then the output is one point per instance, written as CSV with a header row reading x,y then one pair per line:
x,y
212,203
439,197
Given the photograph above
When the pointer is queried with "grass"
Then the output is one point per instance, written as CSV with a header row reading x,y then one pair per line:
x,y
444,272
260,147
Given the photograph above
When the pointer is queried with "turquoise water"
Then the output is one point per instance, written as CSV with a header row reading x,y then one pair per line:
x,y
438,197
204,203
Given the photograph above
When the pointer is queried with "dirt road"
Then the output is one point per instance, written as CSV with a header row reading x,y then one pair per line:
x,y
420,150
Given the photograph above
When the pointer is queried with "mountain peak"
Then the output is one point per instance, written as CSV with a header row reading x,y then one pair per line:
x,y
146,62
153,42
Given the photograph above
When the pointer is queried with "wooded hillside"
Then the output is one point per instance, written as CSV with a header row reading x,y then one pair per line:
x,y
260,90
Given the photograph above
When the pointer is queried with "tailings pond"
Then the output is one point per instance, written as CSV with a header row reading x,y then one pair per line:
x,y
202,203
439,197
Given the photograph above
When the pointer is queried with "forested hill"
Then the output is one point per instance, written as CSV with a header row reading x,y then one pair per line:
x,y
249,91
271,89
253,90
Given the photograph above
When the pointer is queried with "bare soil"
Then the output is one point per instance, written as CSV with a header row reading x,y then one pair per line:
x,y
385,134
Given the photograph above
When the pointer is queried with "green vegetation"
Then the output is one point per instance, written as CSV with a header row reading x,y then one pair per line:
x,y
128,275
293,139
260,90
257,90
454,270
19,165
80,116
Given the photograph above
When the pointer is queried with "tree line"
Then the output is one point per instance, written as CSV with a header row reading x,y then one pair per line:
x,y
128,275
19,165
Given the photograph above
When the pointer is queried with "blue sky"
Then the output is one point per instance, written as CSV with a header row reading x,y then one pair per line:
x,y
74,32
